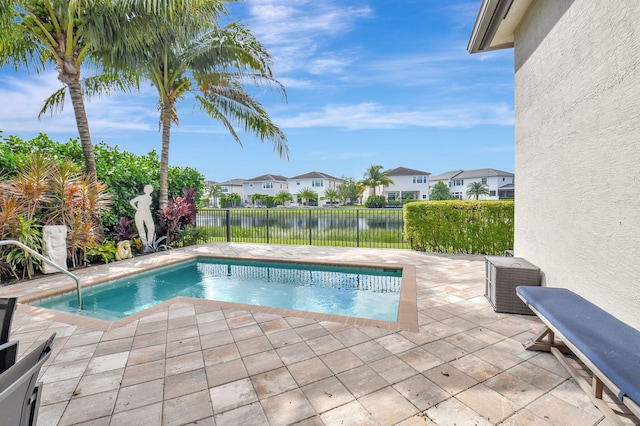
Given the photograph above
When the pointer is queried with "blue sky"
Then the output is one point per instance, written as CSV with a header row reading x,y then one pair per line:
x,y
368,82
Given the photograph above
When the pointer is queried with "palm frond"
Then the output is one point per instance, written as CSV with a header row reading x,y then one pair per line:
x,y
54,103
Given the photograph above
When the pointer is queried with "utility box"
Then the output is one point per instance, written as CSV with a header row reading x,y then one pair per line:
x,y
503,275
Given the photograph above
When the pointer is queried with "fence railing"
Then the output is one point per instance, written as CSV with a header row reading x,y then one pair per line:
x,y
376,228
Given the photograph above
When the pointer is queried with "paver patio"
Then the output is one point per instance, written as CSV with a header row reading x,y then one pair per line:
x,y
200,362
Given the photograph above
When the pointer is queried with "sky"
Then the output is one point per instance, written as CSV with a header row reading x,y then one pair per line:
x,y
374,82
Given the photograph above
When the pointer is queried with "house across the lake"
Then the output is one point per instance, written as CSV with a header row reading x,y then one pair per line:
x,y
499,183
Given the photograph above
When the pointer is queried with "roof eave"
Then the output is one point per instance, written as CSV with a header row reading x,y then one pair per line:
x,y
495,24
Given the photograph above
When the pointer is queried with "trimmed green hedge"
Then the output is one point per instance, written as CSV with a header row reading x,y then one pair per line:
x,y
475,227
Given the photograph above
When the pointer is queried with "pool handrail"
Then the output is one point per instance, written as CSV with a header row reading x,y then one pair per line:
x,y
48,262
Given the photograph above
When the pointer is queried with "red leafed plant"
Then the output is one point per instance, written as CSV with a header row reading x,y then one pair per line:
x,y
179,213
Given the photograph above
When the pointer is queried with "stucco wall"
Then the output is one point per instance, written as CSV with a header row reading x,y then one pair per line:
x,y
577,116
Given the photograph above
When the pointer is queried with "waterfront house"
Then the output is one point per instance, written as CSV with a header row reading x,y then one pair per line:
x,y
497,182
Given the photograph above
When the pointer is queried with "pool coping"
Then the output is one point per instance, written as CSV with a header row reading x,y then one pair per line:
x,y
407,306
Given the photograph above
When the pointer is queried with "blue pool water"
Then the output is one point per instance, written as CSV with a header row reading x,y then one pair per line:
x,y
352,291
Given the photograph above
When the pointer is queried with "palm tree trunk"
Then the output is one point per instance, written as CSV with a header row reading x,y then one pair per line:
x,y
165,123
82,123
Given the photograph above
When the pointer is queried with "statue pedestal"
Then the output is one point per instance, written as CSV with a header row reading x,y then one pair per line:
x,y
55,247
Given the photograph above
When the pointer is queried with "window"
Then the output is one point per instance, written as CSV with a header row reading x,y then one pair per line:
x,y
458,182
484,180
492,193
419,179
424,196
392,196
317,183
267,185
225,189
298,183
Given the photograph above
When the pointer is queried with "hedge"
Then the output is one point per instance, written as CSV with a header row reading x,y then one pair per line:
x,y
472,227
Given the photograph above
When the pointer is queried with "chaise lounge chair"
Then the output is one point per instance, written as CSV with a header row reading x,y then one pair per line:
x,y
19,387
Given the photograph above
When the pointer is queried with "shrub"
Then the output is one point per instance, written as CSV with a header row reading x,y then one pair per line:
x,y
179,213
101,253
376,201
478,227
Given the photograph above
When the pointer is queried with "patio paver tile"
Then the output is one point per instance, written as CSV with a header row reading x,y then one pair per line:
x,y
89,407
287,408
309,371
226,372
488,403
185,383
247,415
187,409
341,360
232,395
149,414
421,392
387,406
139,395
273,382
354,413
139,373
327,394
362,380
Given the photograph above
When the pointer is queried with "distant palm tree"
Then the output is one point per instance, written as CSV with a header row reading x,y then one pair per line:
x,y
215,192
282,197
257,198
477,189
440,191
374,177
231,198
307,194
332,195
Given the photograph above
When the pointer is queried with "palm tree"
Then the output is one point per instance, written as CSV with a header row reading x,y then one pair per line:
x,y
282,197
195,56
476,189
231,198
307,194
69,33
215,192
440,191
332,194
35,32
256,199
374,177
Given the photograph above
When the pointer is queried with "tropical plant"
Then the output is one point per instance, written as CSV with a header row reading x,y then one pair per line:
x,y
350,190
258,199
307,194
375,177
37,32
194,55
124,230
101,253
123,172
282,197
477,189
232,199
180,213
332,194
214,192
376,201
192,235
440,191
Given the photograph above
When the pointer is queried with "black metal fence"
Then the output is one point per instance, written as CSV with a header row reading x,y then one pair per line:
x,y
311,226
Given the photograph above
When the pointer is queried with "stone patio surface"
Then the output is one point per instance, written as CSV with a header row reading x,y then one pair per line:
x,y
200,362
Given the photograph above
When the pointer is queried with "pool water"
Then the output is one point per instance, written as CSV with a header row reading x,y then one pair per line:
x,y
372,293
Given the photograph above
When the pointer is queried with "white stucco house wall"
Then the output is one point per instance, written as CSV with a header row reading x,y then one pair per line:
x,y
264,185
407,183
318,182
458,181
233,186
577,149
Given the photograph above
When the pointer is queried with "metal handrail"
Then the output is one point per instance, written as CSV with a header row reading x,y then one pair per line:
x,y
48,262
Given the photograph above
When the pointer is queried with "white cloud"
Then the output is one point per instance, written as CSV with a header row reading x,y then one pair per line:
x,y
23,97
295,31
370,115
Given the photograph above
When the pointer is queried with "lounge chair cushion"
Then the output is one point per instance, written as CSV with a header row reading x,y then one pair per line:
x,y
612,346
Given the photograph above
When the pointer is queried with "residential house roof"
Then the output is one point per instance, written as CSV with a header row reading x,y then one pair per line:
x,y
496,22
403,171
233,182
468,174
446,175
268,177
315,175
479,173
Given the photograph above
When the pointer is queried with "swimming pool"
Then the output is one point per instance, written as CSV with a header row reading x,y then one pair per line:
x,y
363,292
